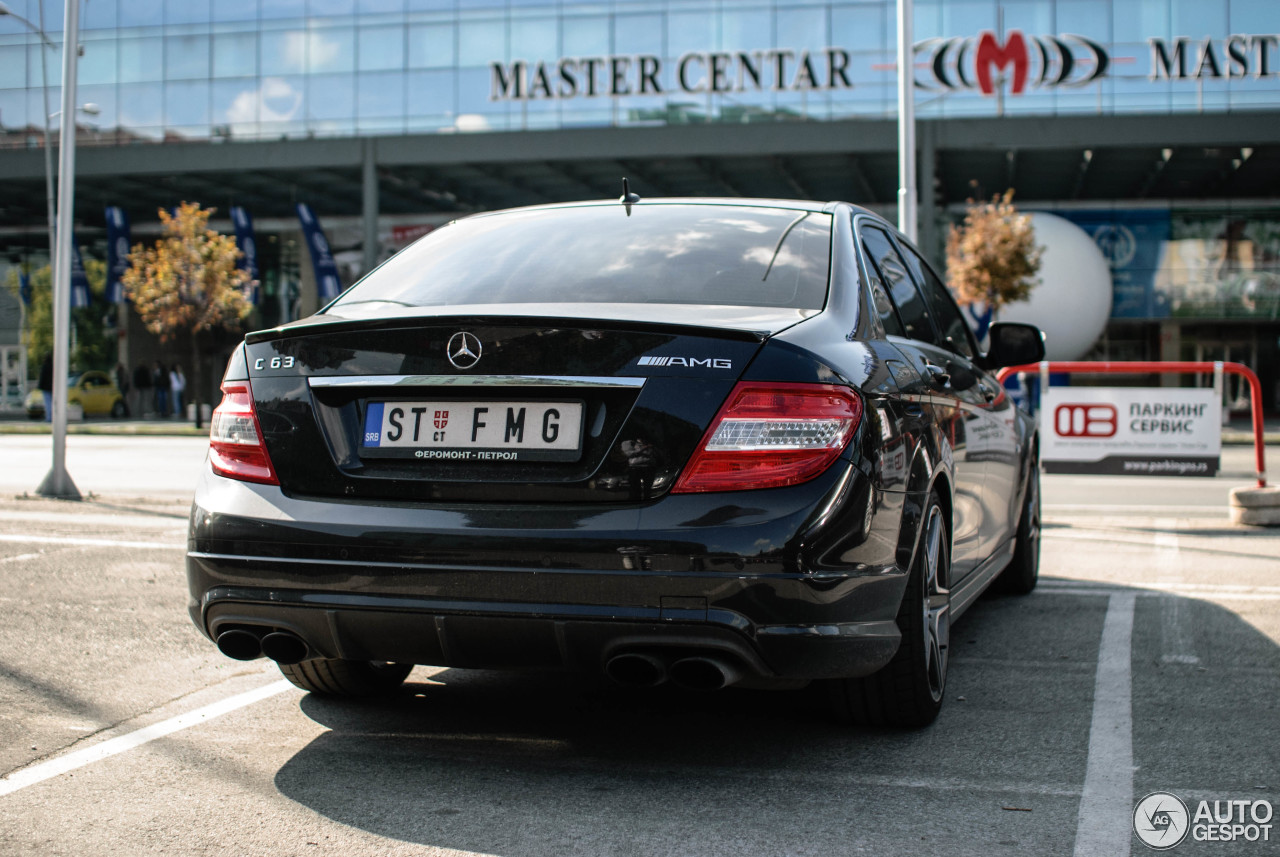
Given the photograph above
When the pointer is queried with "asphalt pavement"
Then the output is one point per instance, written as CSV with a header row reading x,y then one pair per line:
x,y
1148,660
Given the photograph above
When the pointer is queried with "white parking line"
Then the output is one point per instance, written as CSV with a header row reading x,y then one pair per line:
x,y
90,543
1103,826
111,747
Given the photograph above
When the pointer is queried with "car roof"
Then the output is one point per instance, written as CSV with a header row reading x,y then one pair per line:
x,y
722,202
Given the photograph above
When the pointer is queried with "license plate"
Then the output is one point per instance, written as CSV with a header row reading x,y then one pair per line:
x,y
474,431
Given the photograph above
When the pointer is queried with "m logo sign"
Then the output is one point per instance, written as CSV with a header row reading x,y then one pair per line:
x,y
985,61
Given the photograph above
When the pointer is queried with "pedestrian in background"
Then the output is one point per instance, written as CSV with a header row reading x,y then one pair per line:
x,y
160,380
46,386
177,386
122,383
142,400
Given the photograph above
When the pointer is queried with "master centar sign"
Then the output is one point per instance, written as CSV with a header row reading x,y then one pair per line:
x,y
1156,431
778,70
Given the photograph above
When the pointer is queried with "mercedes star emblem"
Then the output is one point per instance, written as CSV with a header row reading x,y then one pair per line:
x,y
463,349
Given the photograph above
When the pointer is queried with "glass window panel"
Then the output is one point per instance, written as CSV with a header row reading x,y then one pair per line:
x,y
186,102
747,30
100,14
52,69
482,42
331,7
431,45
906,298
235,54
431,93
141,13
802,28
183,11
432,5
141,106
331,97
1090,17
103,95
13,109
284,8
861,28
585,36
1253,16
638,34
98,65
140,60
380,95
955,330
331,49
1198,19
381,48
186,57
235,105
534,39
233,10
13,67
689,32
1032,17
372,7
1139,20
284,51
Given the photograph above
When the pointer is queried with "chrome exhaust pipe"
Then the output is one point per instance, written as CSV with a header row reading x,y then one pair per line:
x,y
632,669
704,673
284,648
240,644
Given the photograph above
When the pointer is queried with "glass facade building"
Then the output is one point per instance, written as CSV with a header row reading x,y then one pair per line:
x,y
272,69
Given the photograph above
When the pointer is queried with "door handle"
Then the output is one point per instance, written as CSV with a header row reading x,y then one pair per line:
x,y
937,374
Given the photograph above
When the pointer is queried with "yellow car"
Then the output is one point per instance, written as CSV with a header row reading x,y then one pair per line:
x,y
95,392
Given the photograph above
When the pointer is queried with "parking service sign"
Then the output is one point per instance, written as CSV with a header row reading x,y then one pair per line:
x,y
1139,431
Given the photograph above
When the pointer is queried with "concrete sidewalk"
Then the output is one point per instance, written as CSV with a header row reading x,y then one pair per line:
x,y
18,423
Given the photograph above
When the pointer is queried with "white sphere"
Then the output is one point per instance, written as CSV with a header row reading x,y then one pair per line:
x,y
1072,301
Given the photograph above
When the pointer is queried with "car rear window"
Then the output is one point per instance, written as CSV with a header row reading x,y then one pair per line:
x,y
672,254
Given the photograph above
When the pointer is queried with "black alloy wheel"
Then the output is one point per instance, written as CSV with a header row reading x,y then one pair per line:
x,y
908,692
1023,571
334,677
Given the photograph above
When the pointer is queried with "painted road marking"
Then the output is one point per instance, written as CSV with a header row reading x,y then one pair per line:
x,y
1226,592
91,543
1103,826
1176,642
114,746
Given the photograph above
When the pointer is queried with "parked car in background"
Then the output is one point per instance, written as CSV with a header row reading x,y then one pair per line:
x,y
698,441
94,392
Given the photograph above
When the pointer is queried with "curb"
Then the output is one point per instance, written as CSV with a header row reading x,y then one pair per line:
x,y
130,430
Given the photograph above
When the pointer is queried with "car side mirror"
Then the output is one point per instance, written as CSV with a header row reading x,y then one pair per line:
x,y
1014,344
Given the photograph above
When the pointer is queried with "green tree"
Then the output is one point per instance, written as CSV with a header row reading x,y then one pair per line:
x,y
92,347
188,285
992,256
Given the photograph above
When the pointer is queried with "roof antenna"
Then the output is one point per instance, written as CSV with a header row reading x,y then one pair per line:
x,y
628,198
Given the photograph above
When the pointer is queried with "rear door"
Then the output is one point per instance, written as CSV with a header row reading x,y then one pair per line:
x,y
954,407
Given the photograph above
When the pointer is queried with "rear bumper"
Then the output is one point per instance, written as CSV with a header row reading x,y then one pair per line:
x,y
543,588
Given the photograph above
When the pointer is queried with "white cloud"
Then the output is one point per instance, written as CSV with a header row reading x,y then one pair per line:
x,y
275,101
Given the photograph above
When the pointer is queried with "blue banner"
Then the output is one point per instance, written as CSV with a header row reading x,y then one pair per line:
x,y
1133,242
117,251
328,285
247,244
79,282
24,287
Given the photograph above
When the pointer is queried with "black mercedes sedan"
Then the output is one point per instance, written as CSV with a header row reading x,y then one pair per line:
x,y
704,441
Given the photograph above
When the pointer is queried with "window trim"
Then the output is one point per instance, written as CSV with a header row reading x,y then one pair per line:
x,y
891,233
942,340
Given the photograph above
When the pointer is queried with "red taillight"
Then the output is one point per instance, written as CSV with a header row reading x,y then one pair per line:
x,y
236,449
772,435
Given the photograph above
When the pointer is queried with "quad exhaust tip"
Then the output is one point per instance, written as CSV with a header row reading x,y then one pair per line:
x,y
284,648
695,672
704,673
633,669
240,644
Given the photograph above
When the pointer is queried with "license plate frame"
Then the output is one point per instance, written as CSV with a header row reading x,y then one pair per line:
x,y
473,431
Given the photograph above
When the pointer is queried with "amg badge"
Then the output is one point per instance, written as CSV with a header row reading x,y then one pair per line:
x,y
691,362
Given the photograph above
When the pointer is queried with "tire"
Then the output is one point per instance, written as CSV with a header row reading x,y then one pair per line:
x,y
119,410
1023,571
346,678
907,693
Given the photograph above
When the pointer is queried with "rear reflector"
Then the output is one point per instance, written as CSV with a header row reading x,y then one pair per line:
x,y
236,449
772,435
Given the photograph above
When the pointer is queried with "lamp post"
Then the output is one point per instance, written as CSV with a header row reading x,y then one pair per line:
x,y
57,483
907,218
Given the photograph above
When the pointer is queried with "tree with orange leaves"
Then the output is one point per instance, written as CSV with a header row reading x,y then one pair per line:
x,y
188,283
992,257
